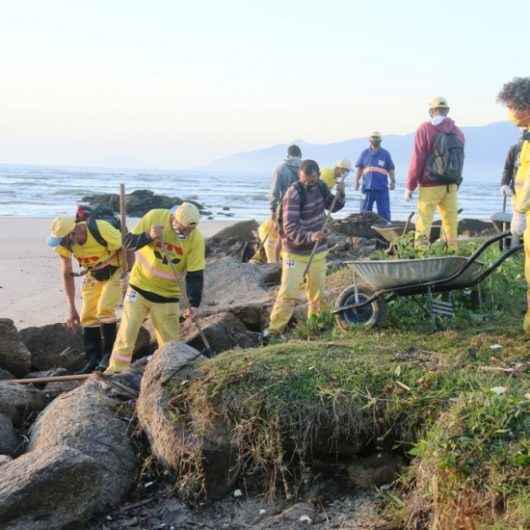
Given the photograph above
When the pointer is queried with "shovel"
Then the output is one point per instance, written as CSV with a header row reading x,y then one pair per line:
x,y
208,351
326,222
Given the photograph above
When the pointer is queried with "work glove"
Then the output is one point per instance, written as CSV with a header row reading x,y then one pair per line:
x,y
408,195
518,225
506,191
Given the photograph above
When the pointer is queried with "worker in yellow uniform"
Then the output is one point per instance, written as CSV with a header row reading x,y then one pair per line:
x,y
516,96
331,175
169,247
95,244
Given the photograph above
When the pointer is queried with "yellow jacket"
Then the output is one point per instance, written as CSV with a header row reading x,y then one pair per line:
x,y
328,176
521,202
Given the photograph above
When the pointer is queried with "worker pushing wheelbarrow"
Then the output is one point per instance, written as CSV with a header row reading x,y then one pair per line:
x,y
364,304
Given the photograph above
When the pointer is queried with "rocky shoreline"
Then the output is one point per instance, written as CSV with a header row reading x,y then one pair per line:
x,y
71,451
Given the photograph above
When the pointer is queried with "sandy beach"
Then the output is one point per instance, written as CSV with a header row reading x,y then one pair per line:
x,y
31,291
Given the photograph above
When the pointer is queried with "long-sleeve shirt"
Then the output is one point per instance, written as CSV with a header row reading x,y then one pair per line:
x,y
284,175
423,147
510,166
302,217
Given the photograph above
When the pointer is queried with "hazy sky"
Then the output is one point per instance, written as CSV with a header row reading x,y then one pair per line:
x,y
170,84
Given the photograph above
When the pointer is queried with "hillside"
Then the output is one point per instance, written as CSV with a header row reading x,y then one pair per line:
x,y
486,148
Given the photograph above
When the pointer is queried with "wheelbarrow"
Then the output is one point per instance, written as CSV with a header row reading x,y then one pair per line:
x,y
364,304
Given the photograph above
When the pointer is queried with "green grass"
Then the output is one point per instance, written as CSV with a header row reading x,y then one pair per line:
x,y
445,400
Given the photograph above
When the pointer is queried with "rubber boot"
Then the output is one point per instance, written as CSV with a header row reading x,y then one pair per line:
x,y
92,343
109,336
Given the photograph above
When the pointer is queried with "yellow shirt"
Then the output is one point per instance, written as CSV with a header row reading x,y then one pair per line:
x,y
522,180
328,176
151,271
91,253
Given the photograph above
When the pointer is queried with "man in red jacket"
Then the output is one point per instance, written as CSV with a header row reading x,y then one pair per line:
x,y
436,167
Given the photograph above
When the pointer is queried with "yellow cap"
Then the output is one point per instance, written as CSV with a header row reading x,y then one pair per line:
x,y
438,103
344,164
61,227
187,214
376,134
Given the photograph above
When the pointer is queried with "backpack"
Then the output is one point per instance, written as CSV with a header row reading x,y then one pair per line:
x,y
446,161
99,213
300,188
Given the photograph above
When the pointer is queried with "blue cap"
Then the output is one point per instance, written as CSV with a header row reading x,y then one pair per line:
x,y
54,241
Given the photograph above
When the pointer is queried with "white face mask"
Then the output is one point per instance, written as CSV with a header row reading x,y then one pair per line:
x,y
436,120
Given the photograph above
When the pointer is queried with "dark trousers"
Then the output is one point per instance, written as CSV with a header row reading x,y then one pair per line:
x,y
381,198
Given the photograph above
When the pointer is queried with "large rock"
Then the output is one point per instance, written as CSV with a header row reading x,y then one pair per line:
x,y
137,203
54,389
14,356
79,462
55,346
4,374
223,331
17,401
240,288
358,225
178,442
238,241
8,437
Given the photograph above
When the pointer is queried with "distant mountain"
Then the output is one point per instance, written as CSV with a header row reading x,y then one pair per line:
x,y
485,151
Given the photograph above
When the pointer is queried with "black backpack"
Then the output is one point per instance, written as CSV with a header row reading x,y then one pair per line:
x,y
446,162
300,188
99,213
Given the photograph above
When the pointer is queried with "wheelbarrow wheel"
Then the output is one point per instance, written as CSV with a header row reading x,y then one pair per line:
x,y
366,317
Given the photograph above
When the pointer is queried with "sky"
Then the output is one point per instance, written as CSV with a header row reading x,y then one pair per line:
x,y
176,84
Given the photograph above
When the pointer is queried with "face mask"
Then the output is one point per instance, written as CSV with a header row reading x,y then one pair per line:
x,y
521,119
436,120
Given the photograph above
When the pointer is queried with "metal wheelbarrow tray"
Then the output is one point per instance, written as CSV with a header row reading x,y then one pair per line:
x,y
364,304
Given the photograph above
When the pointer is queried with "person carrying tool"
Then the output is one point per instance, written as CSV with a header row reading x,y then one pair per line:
x,y
516,96
95,244
302,220
376,168
168,248
511,165
331,175
436,167
284,175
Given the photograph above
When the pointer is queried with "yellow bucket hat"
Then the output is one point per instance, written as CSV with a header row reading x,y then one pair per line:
x,y
61,227
438,103
187,214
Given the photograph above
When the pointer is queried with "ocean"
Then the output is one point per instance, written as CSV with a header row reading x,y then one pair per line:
x,y
32,191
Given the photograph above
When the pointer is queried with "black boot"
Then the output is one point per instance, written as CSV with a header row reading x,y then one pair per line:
x,y
92,342
109,336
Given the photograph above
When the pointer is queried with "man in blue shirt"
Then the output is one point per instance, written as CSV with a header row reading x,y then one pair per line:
x,y
376,168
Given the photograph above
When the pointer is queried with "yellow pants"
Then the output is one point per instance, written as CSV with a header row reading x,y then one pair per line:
x,y
293,267
136,308
526,322
267,232
445,199
99,300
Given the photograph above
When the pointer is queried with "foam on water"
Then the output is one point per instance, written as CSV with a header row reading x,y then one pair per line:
x,y
31,191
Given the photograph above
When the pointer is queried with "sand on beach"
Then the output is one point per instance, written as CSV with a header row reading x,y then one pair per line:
x,y
31,290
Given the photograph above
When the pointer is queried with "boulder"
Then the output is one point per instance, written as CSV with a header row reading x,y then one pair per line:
x,y
16,401
137,203
238,241
358,225
14,356
223,331
52,390
8,437
181,443
475,227
55,346
243,289
79,462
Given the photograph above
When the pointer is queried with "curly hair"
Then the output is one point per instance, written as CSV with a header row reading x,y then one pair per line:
x,y
516,93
